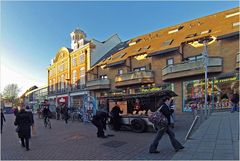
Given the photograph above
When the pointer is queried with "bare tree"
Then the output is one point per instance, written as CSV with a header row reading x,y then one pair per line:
x,y
10,93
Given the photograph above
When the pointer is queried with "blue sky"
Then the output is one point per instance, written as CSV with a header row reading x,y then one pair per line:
x,y
32,32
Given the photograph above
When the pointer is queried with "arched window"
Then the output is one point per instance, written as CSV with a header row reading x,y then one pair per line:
x,y
62,82
82,76
54,85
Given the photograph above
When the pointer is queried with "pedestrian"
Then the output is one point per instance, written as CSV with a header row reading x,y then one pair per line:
x,y
99,120
2,119
58,112
235,102
23,122
65,114
161,129
115,117
29,111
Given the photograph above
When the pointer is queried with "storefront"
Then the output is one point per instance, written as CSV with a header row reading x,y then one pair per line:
x,y
219,93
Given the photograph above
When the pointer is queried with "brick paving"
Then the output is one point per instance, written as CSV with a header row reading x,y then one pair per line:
x,y
78,141
216,139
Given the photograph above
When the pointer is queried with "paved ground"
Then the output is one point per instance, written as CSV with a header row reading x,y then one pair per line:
x,y
216,139
78,141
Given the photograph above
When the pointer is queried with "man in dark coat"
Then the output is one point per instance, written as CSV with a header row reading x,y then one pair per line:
x,y
235,101
166,111
2,119
99,120
24,122
65,114
116,118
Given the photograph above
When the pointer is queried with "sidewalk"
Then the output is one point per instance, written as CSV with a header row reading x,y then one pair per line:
x,y
216,139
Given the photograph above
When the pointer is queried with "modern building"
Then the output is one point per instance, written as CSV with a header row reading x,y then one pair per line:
x,y
67,71
172,58
35,96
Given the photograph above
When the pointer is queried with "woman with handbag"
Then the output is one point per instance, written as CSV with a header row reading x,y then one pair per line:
x,y
23,122
163,127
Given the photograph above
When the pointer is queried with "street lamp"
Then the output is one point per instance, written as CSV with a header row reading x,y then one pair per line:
x,y
68,89
205,41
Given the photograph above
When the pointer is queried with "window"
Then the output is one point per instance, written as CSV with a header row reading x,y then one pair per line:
x,y
103,76
74,78
232,14
167,42
170,61
74,62
82,58
50,85
82,76
191,35
62,82
147,47
236,24
205,32
194,58
120,71
139,69
54,85
175,30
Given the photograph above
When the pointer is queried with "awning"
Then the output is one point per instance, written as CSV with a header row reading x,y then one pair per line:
x,y
233,34
157,53
158,94
116,63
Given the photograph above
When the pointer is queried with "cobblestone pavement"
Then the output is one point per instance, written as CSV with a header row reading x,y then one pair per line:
x,y
78,141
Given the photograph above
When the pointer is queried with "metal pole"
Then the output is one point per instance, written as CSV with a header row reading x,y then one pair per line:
x,y
206,76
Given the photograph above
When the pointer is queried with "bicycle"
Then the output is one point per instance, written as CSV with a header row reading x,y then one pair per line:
x,y
47,122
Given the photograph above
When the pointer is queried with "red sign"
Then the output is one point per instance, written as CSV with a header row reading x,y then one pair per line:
x,y
62,99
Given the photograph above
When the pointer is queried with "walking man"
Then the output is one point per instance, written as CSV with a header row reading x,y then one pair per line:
x,y
24,122
166,111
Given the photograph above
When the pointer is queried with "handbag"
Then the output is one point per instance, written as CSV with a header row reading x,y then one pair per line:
x,y
157,118
17,129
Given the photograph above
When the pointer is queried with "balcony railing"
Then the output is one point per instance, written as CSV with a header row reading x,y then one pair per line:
x,y
135,77
191,65
98,84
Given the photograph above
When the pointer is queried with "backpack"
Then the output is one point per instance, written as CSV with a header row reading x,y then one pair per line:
x,y
157,118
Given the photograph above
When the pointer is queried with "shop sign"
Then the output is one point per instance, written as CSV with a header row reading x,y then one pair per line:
x,y
62,100
216,81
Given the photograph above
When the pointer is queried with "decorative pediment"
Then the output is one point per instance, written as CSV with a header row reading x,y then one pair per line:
x,y
62,53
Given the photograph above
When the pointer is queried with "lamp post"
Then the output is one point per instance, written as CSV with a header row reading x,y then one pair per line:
x,y
205,41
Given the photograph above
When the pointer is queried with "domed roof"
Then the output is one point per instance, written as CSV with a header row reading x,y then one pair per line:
x,y
77,31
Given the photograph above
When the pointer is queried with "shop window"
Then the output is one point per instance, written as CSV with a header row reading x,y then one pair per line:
x,y
170,61
219,93
167,42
